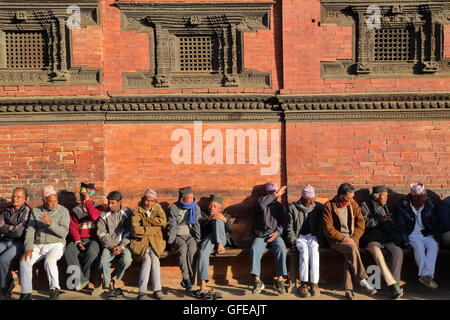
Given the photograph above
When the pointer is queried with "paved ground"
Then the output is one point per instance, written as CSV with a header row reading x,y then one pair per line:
x,y
413,291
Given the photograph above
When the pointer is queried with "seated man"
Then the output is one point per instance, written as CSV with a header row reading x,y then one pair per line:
x,y
113,231
216,228
45,237
13,222
83,231
183,233
381,232
270,223
343,227
418,225
147,242
444,221
304,230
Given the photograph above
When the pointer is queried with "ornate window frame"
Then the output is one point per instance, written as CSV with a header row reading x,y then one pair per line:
x,y
424,19
165,21
49,17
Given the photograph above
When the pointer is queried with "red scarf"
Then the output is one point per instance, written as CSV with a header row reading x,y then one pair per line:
x,y
341,204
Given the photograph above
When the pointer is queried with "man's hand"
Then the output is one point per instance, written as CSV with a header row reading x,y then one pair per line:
x,y
27,255
2,223
46,218
350,240
280,191
386,217
80,246
212,217
272,237
117,250
220,216
11,228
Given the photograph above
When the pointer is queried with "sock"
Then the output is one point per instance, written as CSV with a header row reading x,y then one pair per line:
x,y
363,283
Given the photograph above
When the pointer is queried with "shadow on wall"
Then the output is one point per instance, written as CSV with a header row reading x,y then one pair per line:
x,y
243,217
3,204
394,198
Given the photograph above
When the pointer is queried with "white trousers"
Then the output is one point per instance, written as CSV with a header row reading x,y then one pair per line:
x,y
425,253
308,249
52,253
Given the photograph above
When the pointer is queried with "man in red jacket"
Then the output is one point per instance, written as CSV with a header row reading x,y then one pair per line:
x,y
83,231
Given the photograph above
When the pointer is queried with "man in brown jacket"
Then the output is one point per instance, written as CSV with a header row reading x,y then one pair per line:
x,y
343,227
147,241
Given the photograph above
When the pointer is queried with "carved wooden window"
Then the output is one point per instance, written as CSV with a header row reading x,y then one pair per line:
x,y
392,44
406,40
198,54
35,42
26,50
196,45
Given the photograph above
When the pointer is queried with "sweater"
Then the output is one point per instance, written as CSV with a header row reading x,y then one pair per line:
x,y
38,232
83,221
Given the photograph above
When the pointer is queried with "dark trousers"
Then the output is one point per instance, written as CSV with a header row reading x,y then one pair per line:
x,y
73,256
185,250
353,266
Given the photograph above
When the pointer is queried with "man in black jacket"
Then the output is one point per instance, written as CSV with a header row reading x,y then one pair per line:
x,y
270,222
444,221
304,230
418,227
381,232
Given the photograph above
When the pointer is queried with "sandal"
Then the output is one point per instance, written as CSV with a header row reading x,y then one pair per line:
x,y
209,295
217,295
198,294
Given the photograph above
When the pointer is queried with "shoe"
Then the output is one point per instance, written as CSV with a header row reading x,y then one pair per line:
x,y
111,293
53,294
349,294
25,296
429,282
158,295
395,291
186,283
118,292
82,285
303,291
258,286
141,296
369,289
315,290
279,287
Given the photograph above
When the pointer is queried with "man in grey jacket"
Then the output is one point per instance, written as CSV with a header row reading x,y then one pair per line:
x,y
45,237
183,231
114,231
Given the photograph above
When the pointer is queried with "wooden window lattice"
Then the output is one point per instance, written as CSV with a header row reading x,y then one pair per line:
x,y
392,45
197,54
26,50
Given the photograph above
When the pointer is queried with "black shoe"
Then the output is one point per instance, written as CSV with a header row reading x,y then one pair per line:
x,y
25,296
258,286
111,293
118,292
395,291
53,294
279,287
186,283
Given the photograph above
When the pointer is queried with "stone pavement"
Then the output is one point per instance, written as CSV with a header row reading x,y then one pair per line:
x,y
413,291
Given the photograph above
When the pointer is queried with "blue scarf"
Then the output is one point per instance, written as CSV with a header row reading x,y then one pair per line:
x,y
191,207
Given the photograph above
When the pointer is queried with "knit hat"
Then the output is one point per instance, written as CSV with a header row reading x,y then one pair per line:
x,y
150,193
48,191
271,186
308,192
418,188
